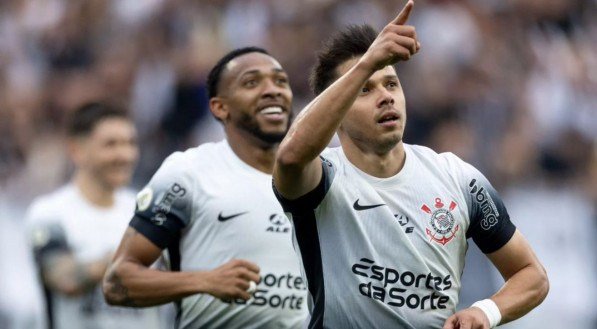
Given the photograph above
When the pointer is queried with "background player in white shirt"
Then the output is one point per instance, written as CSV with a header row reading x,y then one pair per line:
x,y
381,225
212,208
76,229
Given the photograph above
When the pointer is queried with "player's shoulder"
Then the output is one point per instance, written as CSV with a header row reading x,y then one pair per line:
x,y
176,170
180,163
187,169
50,205
333,155
447,160
195,157
54,199
424,152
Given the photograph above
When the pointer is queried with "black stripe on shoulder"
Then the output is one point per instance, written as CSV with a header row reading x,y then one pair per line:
x,y
307,238
49,239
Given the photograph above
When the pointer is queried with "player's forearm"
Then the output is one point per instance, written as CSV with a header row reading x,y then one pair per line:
x,y
522,292
134,285
63,274
315,126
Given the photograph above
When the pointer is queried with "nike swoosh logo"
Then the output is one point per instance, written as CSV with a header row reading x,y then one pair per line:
x,y
359,207
222,218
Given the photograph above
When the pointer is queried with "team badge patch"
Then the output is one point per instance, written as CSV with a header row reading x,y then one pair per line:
x,y
441,228
144,199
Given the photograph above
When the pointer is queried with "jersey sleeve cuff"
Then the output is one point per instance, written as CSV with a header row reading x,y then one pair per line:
x,y
497,240
55,246
158,235
308,201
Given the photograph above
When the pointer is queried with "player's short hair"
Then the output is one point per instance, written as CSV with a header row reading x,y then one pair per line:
x,y
344,45
213,79
85,118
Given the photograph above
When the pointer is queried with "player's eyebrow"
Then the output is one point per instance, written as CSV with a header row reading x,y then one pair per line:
x,y
250,72
383,78
256,71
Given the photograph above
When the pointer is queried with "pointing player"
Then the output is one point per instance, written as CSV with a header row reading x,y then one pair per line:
x,y
382,226
76,229
212,208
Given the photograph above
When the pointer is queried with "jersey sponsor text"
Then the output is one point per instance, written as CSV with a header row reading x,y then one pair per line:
x,y
388,285
266,296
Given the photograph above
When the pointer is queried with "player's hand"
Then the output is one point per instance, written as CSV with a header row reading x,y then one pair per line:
x,y
397,41
231,280
469,318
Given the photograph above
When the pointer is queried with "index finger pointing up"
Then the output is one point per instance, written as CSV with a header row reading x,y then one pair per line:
x,y
403,16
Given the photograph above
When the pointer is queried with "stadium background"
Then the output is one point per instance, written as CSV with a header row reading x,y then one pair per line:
x,y
508,85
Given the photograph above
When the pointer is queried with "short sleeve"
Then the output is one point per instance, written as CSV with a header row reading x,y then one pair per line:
x,y
313,198
490,226
47,238
164,207
44,229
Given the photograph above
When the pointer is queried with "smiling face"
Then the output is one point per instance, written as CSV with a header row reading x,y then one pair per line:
x,y
108,153
377,118
255,98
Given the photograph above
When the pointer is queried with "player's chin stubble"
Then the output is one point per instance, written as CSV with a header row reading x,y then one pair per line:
x,y
250,124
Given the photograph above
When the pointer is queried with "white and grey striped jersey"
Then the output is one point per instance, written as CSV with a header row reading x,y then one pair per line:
x,y
389,253
205,207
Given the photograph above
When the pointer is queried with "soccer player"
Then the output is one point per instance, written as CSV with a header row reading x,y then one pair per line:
x,y
76,229
381,225
213,209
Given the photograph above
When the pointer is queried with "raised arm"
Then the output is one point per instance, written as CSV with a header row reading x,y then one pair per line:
x,y
526,286
298,168
130,281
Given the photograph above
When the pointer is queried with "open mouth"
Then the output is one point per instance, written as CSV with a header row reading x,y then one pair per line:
x,y
275,114
271,110
388,118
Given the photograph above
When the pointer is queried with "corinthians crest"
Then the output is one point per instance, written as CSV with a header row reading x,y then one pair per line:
x,y
441,227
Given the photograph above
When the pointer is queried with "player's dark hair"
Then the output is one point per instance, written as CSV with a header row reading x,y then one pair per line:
x,y
349,43
213,79
85,118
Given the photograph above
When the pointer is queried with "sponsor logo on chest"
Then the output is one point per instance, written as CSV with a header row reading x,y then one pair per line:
x,y
286,291
408,289
278,224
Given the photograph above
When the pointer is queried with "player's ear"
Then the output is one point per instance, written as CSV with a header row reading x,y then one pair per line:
x,y
218,108
76,150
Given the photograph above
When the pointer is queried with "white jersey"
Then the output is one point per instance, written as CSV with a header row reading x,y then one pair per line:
x,y
206,207
21,300
65,221
389,253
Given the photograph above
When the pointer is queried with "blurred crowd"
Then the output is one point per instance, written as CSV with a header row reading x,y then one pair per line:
x,y
508,85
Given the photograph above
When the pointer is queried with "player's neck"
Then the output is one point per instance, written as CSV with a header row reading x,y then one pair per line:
x,y
256,154
381,165
93,191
